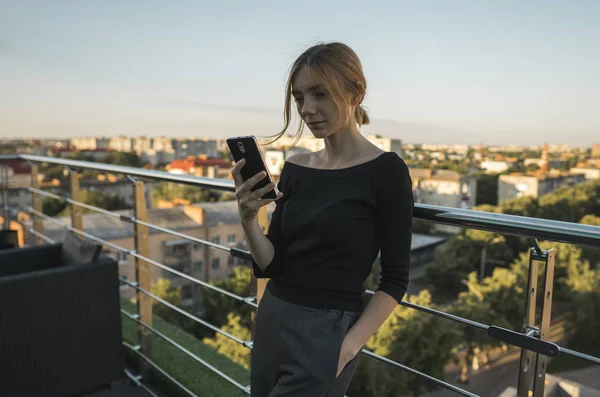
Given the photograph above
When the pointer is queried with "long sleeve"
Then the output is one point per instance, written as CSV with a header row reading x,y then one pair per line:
x,y
274,235
395,212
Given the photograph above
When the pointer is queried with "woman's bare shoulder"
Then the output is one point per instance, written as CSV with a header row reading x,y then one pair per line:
x,y
303,158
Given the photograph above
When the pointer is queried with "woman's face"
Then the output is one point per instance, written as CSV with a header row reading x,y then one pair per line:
x,y
315,107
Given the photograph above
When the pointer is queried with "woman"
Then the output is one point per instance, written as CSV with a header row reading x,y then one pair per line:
x,y
336,210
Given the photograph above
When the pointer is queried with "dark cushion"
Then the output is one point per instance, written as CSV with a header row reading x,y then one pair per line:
x,y
29,259
76,251
9,239
60,331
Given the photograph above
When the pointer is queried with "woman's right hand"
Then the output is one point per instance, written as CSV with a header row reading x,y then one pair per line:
x,y
249,202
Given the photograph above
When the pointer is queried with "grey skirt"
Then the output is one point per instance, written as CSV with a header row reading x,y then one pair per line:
x,y
296,350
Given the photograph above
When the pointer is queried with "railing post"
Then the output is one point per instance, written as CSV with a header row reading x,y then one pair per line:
x,y
38,223
142,273
5,213
542,360
76,219
532,377
258,285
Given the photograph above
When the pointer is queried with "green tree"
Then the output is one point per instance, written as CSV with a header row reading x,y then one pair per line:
x,y
571,204
452,165
228,347
488,208
586,318
129,159
497,300
163,289
96,198
571,271
461,255
217,306
53,207
590,253
487,188
521,206
170,191
410,337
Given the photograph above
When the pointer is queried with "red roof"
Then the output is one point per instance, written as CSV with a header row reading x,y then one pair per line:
x,y
18,166
186,164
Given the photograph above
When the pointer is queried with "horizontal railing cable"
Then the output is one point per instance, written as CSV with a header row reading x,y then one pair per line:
x,y
193,279
40,235
159,369
186,314
140,384
184,236
184,350
438,313
583,356
73,202
80,232
129,219
415,372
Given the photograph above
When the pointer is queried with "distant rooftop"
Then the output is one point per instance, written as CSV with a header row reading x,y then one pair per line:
x,y
438,175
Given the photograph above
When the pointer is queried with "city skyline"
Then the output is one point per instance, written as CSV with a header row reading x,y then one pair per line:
x,y
466,72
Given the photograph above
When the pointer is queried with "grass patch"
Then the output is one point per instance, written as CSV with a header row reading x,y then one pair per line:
x,y
192,374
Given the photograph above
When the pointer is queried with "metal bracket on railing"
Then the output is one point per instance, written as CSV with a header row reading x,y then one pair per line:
x,y
250,299
131,179
532,332
136,348
126,218
246,389
538,250
238,253
525,341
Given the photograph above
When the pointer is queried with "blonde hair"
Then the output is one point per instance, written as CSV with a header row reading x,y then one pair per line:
x,y
338,66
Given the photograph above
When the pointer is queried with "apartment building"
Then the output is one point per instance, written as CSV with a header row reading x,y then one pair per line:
x,y
89,143
534,184
590,173
495,167
121,144
386,144
307,142
596,151
275,160
443,187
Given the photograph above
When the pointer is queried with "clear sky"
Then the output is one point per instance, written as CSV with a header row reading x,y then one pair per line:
x,y
451,71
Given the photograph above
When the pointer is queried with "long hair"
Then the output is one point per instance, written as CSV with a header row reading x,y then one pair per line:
x,y
338,66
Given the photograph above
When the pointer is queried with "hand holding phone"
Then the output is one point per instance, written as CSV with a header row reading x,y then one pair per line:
x,y
254,185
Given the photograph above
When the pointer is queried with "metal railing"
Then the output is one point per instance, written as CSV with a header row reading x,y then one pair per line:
x,y
534,347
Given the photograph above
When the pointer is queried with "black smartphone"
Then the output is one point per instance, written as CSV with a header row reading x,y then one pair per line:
x,y
246,147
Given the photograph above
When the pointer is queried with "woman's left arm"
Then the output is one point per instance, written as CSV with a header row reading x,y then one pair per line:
x,y
395,211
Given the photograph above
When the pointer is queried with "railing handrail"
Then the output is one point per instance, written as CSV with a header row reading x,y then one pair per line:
x,y
221,184
564,232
